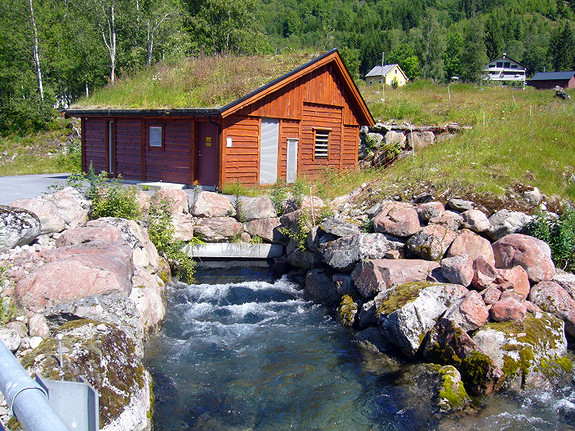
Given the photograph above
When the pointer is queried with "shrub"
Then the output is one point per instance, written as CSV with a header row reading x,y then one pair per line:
x,y
278,195
161,232
299,234
559,233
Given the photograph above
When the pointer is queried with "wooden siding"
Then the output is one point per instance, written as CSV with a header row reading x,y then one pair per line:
x,y
320,117
129,148
350,147
95,144
241,161
321,86
171,163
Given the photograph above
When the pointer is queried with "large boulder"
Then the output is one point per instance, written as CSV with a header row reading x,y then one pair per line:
x,y
183,227
57,211
398,219
344,253
376,275
458,269
508,308
339,227
473,245
209,204
96,231
470,312
410,310
257,208
528,350
321,287
104,356
113,309
505,222
448,343
429,210
417,140
531,253
552,298
217,229
265,228
176,199
74,272
431,242
475,220
18,227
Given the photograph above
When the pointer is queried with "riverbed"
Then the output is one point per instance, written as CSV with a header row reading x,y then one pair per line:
x,y
241,350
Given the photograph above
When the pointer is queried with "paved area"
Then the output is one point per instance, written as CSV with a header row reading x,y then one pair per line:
x,y
27,186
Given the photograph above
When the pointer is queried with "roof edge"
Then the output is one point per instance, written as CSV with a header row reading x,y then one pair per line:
x,y
136,112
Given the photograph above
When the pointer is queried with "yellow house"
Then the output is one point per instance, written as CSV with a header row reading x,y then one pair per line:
x,y
392,73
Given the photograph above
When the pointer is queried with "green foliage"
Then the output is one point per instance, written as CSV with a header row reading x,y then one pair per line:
x,y
278,195
256,240
237,203
559,233
300,232
161,232
7,305
299,189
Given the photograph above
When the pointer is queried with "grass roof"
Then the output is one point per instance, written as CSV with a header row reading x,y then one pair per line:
x,y
199,82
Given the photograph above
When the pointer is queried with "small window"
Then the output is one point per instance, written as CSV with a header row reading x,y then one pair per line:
x,y
499,64
156,136
321,144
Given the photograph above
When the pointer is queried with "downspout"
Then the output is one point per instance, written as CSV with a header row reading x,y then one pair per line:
x,y
219,147
26,399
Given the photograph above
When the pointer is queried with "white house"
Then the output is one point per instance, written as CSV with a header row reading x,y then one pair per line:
x,y
391,72
504,70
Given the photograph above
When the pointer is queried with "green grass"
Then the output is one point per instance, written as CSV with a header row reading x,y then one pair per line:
x,y
57,150
204,81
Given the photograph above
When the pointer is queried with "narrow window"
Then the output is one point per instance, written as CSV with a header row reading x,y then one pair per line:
x,y
156,136
321,143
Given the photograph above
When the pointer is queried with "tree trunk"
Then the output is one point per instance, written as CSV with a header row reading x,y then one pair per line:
x,y
36,53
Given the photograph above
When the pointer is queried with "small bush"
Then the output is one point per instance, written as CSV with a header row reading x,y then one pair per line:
x,y
299,234
559,233
278,195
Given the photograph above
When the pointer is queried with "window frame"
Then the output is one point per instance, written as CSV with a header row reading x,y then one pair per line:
x,y
162,140
324,137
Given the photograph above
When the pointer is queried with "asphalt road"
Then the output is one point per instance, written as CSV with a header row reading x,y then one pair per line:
x,y
27,186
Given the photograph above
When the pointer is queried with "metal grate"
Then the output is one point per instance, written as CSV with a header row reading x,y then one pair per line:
x,y
321,143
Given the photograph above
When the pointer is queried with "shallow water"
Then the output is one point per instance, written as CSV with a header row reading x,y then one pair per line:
x,y
239,351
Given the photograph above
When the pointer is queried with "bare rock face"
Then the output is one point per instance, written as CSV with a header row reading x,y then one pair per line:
x,y
505,222
373,276
97,268
57,211
85,234
526,351
566,280
10,338
397,218
257,208
430,210
104,355
508,308
514,279
431,242
552,298
473,245
410,310
218,228
470,312
475,220
265,228
177,200
183,227
344,253
485,273
531,253
339,227
458,269
18,227
209,204
321,287
417,140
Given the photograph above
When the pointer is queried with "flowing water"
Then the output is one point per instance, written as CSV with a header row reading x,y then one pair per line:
x,y
240,351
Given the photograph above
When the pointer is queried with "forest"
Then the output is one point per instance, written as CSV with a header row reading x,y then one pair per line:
x,y
53,52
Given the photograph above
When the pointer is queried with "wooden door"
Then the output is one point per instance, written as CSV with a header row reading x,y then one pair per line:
x,y
207,150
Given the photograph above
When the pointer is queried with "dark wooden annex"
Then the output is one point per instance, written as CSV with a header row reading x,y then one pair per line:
x,y
304,121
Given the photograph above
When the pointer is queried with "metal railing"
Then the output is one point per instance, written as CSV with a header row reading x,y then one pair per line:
x,y
26,399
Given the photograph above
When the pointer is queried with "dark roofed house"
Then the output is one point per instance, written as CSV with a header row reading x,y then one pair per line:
x,y
302,122
548,80
504,70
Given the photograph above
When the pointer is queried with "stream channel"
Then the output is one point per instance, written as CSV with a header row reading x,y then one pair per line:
x,y
240,350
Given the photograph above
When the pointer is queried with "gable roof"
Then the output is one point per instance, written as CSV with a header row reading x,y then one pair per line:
x,y
379,71
553,76
505,57
237,104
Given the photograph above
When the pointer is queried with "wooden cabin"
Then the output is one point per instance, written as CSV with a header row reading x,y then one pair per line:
x,y
548,80
300,123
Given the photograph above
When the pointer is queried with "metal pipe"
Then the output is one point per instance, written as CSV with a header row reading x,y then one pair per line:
x,y
26,399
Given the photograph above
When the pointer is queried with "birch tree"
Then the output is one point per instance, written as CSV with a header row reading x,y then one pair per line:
x,y
36,52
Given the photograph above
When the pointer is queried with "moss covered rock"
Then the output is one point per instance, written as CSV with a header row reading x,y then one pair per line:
x,y
531,353
106,357
347,310
409,311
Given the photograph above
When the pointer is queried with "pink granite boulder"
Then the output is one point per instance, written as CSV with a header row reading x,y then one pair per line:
x,y
473,245
470,312
531,253
397,218
431,242
552,298
458,269
509,308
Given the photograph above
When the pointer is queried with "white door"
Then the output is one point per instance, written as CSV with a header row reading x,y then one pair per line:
x,y
269,151
291,160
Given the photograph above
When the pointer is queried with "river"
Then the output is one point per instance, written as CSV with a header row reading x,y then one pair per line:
x,y
242,351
